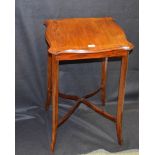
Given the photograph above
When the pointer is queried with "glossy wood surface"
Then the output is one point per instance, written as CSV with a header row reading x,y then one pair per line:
x,y
68,39
104,65
49,82
80,56
121,95
55,81
85,35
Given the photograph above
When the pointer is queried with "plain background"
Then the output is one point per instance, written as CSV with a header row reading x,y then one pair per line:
x,y
85,131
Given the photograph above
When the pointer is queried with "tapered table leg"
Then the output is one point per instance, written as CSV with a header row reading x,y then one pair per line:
x,y
55,69
121,95
103,80
49,83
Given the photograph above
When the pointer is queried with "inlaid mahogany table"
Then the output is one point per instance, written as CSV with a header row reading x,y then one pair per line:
x,y
85,38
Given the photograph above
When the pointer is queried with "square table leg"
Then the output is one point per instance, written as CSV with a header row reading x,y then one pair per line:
x,y
121,94
49,82
55,80
104,64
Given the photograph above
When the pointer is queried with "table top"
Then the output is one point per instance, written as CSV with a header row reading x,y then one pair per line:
x,y
85,35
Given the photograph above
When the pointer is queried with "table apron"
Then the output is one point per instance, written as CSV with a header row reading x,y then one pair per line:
x,y
80,56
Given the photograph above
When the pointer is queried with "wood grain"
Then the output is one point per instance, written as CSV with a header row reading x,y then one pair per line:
x,y
104,64
55,69
85,35
79,56
49,82
76,98
121,94
85,38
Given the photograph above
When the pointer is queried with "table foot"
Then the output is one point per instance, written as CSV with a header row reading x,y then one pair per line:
x,y
121,94
55,95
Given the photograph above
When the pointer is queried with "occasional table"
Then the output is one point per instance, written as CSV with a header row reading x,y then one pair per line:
x,y
85,38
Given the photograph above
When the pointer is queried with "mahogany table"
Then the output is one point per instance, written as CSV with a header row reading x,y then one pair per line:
x,y
85,38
